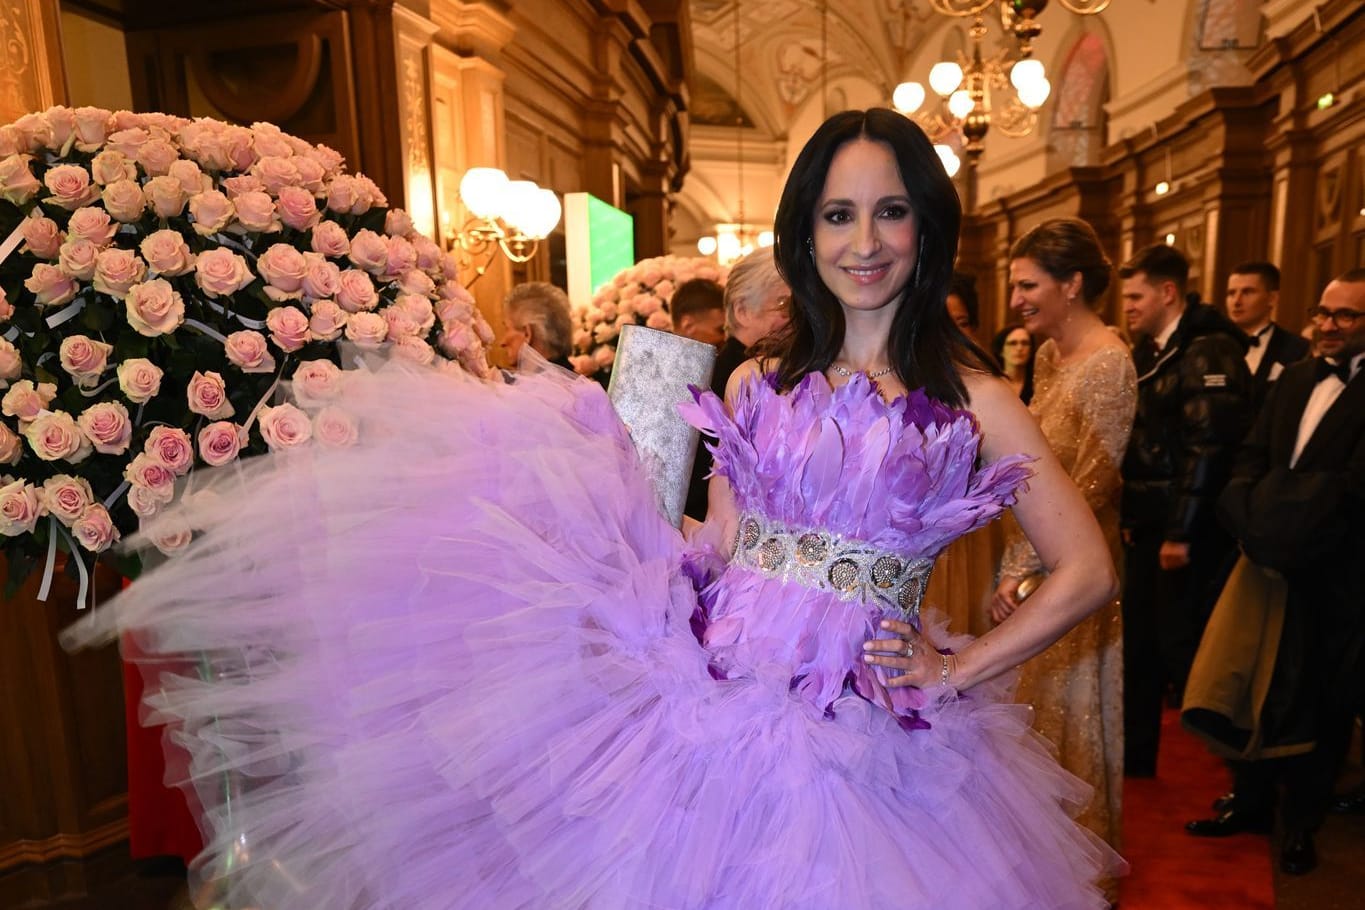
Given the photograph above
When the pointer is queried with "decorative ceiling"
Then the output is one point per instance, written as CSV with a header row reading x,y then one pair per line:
x,y
788,47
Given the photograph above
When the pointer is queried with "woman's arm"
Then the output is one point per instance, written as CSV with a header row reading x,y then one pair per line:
x,y
1058,523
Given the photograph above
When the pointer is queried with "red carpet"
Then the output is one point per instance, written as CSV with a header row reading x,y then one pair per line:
x,y
1172,870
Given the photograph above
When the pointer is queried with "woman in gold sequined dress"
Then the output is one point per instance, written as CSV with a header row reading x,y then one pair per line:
x,y
1085,392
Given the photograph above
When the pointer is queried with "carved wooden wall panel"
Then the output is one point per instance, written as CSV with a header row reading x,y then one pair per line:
x,y
31,76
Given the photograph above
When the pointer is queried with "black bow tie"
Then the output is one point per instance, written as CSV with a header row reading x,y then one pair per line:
x,y
1256,340
1327,368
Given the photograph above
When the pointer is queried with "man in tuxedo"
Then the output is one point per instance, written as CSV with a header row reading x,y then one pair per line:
x,y
1294,503
1252,297
1194,407
756,306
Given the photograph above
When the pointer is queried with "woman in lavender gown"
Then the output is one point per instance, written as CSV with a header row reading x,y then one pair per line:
x,y
459,665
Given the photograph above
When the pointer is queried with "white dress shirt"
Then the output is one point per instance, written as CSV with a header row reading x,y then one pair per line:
x,y
1256,352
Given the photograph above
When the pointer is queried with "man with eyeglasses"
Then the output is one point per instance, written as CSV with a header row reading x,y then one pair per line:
x,y
1294,503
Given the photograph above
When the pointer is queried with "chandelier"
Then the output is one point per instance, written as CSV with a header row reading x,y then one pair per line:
x,y
734,241
507,216
974,93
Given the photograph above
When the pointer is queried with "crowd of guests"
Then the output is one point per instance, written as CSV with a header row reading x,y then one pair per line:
x,y
1223,458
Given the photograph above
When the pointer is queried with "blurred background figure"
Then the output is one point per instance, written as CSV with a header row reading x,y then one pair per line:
x,y
698,311
1013,350
757,307
1085,396
963,305
1253,294
537,314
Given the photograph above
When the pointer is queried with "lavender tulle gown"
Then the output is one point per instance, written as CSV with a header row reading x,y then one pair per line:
x,y
456,667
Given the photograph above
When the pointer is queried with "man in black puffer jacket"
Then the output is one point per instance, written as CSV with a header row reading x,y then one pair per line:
x,y
1194,407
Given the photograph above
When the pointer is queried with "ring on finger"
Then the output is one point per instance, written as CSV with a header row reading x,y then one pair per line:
x,y
909,649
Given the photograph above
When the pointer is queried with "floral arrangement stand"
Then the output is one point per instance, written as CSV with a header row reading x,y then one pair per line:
x,y
163,282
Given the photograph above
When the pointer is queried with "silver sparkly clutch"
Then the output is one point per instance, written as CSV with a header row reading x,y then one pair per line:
x,y
648,381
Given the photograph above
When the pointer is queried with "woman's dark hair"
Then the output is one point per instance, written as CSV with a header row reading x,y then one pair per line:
x,y
1063,247
998,349
926,348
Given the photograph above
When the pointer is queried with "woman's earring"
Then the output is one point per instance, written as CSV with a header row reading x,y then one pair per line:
x,y
810,247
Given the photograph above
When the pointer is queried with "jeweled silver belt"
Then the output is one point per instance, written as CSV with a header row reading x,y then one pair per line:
x,y
825,561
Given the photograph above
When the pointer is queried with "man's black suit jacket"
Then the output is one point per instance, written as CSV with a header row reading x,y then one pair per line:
x,y
1308,522
1281,347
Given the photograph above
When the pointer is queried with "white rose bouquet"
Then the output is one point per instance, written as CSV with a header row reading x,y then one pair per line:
x,y
159,278
638,295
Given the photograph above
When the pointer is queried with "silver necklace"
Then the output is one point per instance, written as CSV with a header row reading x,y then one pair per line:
x,y
845,372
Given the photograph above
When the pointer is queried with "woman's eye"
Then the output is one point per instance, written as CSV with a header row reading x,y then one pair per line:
x,y
895,212
837,216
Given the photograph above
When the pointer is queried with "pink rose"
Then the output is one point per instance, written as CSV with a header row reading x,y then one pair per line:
x,y
414,349
211,211
428,254
329,159
370,192
367,329
192,180
156,157
369,252
220,442
329,239
50,286
117,270
54,436
402,257
344,196
247,350
85,359
66,497
10,143
139,379
270,141
256,212
6,308
170,534
34,131
171,446
297,208
95,530
154,308
604,357
92,126
42,237
399,322
316,382
356,292
61,128
242,183
208,396
17,183
126,140
167,253
335,428
70,186
146,472
415,281
311,174
288,328
144,501
20,508
457,337
321,278
166,196
110,167
11,446
106,424
92,224
238,149
220,272
397,223
11,363
285,426
657,320
419,309
124,200
327,321
283,269
275,173
26,401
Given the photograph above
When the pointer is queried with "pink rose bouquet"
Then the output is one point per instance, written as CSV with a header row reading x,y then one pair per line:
x,y
163,282
638,295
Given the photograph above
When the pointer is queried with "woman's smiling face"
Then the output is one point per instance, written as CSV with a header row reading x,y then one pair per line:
x,y
865,237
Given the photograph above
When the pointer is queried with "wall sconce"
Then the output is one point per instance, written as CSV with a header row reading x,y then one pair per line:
x,y
508,215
